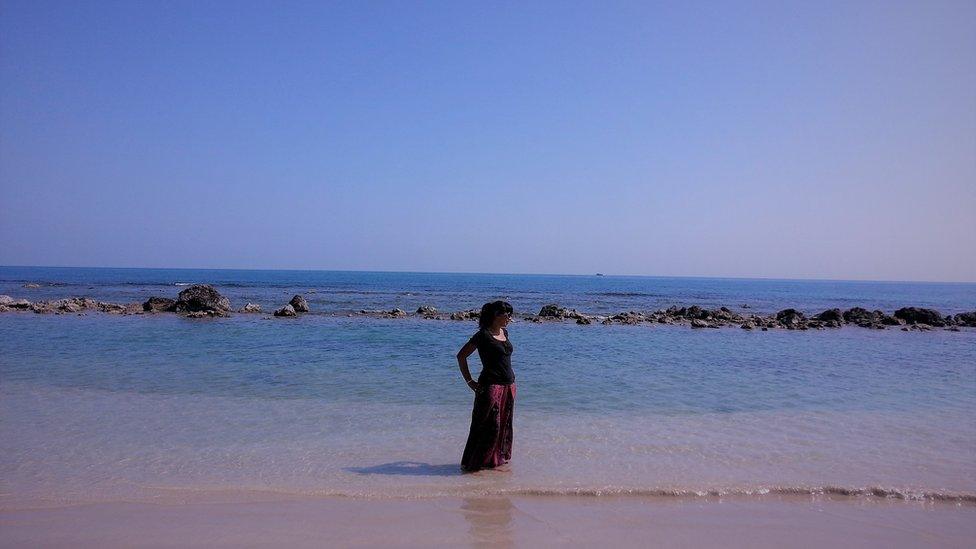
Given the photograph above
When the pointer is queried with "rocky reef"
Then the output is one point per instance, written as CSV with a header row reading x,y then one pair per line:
x,y
204,301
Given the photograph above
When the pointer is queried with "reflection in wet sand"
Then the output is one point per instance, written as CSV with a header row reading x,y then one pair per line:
x,y
489,520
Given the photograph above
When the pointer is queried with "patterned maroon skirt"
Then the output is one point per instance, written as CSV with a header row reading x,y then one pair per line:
x,y
490,440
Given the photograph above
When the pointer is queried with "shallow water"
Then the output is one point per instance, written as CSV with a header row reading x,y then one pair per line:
x,y
158,407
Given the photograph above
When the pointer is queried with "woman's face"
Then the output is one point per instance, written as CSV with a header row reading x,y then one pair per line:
x,y
502,320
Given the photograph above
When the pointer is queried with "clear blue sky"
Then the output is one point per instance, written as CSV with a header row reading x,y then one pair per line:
x,y
771,139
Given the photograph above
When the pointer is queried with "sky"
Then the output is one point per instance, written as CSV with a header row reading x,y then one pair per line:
x,y
734,139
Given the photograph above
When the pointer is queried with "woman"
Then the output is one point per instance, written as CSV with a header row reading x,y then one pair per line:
x,y
490,440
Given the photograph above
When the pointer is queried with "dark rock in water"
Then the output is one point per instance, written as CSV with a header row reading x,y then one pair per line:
x,y
398,312
830,315
287,310
159,304
201,297
5,299
723,313
250,308
791,318
21,304
698,323
887,320
111,308
745,306
869,319
470,314
630,318
32,286
696,312
966,319
426,310
42,307
574,314
552,311
747,326
858,315
583,320
606,321
299,304
914,315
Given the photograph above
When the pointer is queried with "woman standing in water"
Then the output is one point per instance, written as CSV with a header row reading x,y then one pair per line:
x,y
490,440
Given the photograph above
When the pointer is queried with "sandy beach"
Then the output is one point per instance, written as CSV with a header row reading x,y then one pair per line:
x,y
524,521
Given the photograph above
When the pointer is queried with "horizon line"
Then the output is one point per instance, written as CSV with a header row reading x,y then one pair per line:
x,y
787,279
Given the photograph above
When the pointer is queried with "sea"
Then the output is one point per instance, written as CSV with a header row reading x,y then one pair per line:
x,y
161,408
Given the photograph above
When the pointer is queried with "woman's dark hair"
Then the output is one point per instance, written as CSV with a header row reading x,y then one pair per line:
x,y
492,309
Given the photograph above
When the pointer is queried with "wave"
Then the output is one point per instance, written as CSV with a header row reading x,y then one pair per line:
x,y
840,492
853,492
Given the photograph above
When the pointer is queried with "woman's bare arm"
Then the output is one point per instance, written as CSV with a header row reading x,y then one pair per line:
x,y
462,358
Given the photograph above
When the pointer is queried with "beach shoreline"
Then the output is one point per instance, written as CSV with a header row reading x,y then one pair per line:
x,y
617,521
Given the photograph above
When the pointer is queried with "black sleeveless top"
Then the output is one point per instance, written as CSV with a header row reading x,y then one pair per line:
x,y
496,358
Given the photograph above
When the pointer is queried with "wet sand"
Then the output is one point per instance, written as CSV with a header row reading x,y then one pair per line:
x,y
524,521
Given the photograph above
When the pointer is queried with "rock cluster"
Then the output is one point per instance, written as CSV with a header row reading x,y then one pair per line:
x,y
79,305
202,300
298,304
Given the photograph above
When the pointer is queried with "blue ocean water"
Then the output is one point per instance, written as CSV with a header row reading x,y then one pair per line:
x,y
153,407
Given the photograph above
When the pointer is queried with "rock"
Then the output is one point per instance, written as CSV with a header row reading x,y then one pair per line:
x,y
913,315
159,304
747,326
583,320
32,286
201,297
134,308
43,307
397,312
966,319
552,311
830,315
791,318
470,314
698,323
725,314
888,320
21,304
426,310
299,304
111,308
287,310
5,299
606,321
869,319
858,315
629,318
250,308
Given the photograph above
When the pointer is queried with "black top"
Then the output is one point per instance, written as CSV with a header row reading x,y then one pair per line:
x,y
496,358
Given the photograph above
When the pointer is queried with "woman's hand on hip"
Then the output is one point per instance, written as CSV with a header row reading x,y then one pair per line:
x,y
473,385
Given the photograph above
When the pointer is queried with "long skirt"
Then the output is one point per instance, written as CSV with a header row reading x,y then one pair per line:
x,y
490,440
